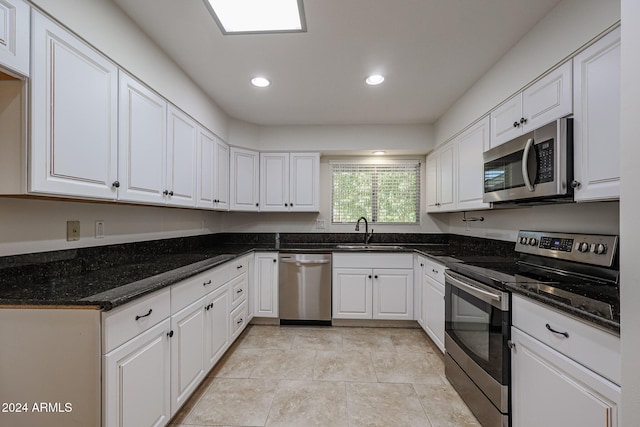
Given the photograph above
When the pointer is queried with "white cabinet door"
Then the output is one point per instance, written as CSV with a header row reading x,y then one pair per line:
x,y
393,294
418,271
206,169
266,284
182,142
274,182
444,179
352,293
546,100
74,116
217,306
304,192
570,394
221,183
596,120
505,121
470,166
136,380
244,180
14,36
187,352
251,279
434,310
432,182
142,150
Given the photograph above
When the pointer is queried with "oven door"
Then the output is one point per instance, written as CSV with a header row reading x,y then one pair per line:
x,y
477,329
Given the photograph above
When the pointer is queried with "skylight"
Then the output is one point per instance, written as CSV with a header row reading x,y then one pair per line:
x,y
258,16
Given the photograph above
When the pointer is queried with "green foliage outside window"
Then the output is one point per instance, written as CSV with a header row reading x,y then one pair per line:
x,y
383,193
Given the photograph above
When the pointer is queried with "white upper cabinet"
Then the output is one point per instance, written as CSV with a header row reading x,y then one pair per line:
x,y
244,186
74,116
206,169
221,177
274,182
182,141
543,102
470,165
213,172
290,182
596,75
304,173
14,36
142,156
441,172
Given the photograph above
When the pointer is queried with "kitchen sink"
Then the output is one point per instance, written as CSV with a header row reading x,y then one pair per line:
x,y
371,247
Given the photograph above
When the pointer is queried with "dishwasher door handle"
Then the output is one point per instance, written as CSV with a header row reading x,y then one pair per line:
x,y
303,262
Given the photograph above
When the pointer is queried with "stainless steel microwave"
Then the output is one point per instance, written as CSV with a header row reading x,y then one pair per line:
x,y
535,167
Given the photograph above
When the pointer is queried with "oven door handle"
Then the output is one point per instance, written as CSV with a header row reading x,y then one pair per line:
x,y
525,164
486,296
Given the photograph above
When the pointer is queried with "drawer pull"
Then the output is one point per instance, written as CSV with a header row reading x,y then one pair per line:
x,y
239,267
434,270
239,291
138,317
207,283
564,334
239,321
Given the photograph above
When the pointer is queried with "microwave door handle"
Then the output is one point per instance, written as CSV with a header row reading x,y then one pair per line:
x,y
525,164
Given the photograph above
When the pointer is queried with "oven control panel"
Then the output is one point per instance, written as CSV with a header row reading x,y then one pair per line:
x,y
595,249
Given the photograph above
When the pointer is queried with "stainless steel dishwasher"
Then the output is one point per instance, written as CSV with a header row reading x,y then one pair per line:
x,y
305,288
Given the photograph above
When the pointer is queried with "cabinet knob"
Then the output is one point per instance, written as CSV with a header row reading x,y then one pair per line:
x,y
257,204
275,260
516,124
116,184
369,276
511,345
170,334
285,205
575,184
375,277
523,120
240,321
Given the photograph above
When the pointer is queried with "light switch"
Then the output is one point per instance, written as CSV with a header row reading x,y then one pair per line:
x,y
73,230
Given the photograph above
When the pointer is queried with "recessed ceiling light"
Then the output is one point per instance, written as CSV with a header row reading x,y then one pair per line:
x,y
379,153
374,79
257,16
260,82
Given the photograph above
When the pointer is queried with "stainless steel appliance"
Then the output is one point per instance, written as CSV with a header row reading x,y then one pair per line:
x,y
477,328
577,273
535,167
305,288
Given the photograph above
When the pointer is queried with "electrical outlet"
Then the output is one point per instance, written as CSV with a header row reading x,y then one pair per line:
x,y
320,224
73,231
99,229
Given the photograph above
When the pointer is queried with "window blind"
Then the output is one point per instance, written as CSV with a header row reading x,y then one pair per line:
x,y
381,192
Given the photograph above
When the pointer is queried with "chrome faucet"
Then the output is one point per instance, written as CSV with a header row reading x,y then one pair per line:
x,y
367,235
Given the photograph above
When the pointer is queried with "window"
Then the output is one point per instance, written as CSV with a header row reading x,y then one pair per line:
x,y
387,193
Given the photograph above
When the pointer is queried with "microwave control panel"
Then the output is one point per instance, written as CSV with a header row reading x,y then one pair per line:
x,y
545,160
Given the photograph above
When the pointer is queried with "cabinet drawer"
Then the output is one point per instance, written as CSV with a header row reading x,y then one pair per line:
x,y
123,323
238,287
238,319
238,266
368,260
592,347
434,270
187,291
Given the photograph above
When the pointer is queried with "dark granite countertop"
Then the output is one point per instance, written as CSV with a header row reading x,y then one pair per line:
x,y
109,276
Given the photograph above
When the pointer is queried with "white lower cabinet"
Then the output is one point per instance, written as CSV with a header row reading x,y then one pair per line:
x,y
431,316
560,373
158,349
363,292
188,365
266,284
137,378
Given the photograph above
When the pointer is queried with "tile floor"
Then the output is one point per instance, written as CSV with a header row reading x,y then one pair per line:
x,y
332,376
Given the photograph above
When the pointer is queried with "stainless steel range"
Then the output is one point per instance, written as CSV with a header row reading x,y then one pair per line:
x,y
575,272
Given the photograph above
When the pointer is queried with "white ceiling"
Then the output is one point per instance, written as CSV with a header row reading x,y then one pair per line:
x,y
431,52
